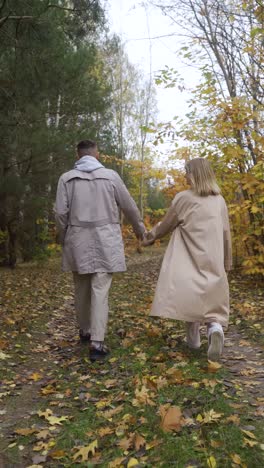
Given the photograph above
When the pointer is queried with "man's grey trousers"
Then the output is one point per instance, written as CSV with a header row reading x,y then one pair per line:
x,y
91,303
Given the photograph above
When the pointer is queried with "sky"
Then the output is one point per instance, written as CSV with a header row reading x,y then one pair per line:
x,y
129,19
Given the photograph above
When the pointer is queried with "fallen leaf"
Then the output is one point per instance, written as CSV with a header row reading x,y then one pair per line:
x,y
211,416
53,420
153,444
34,466
45,413
85,452
216,443
236,405
110,413
171,418
104,431
143,397
117,463
4,356
213,366
126,443
110,383
236,458
43,434
247,372
13,444
249,434
234,418
36,376
139,442
132,462
25,431
249,442
211,462
57,454
175,375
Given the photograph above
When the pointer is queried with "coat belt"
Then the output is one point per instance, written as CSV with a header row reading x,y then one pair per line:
x,y
86,224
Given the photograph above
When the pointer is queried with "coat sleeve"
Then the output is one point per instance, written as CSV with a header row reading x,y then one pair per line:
x,y
61,209
169,222
127,205
227,239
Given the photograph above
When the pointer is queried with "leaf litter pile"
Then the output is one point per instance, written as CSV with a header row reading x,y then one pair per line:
x,y
154,403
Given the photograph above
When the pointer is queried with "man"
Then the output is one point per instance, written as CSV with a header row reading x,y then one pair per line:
x,y
88,219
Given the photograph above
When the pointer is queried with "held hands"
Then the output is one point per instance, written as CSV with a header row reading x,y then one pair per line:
x,y
148,239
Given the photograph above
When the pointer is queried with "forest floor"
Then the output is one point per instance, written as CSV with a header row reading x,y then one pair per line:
x,y
154,403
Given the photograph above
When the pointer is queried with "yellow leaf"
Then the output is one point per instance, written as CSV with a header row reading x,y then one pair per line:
x,y
84,452
236,458
153,444
255,209
4,356
45,413
48,390
34,466
216,443
102,404
211,462
117,463
199,418
53,420
143,397
249,434
132,462
36,376
249,442
213,366
57,454
211,416
40,446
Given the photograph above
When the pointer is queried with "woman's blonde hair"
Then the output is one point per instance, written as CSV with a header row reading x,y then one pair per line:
x,y
202,177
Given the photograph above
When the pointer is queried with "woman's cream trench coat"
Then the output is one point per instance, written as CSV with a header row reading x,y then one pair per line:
x,y
192,284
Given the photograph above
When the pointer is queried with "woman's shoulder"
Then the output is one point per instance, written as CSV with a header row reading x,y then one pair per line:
x,y
185,194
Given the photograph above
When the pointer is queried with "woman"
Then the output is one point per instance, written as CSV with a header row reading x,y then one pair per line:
x,y
192,284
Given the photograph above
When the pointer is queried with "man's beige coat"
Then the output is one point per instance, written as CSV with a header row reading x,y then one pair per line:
x,y
193,285
88,219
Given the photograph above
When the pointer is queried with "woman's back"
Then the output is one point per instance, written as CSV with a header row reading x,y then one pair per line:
x,y
201,221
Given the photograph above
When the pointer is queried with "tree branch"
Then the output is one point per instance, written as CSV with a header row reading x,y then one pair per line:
x,y
16,18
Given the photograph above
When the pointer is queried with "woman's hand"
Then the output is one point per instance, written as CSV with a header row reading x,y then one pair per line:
x,y
148,239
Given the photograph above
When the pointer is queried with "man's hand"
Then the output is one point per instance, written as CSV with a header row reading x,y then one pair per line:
x,y
140,237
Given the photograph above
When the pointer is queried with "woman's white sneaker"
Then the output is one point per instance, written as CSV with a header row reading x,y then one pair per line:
x,y
216,344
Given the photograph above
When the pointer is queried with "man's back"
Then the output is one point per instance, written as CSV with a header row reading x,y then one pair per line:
x,y
92,197
87,215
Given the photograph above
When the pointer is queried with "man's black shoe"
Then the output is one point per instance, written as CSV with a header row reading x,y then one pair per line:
x,y
84,338
98,354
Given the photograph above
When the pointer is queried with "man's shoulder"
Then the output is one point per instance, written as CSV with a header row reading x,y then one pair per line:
x,y
110,174
100,173
69,175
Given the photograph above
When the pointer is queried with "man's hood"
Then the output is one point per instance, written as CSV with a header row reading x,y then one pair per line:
x,y
87,164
